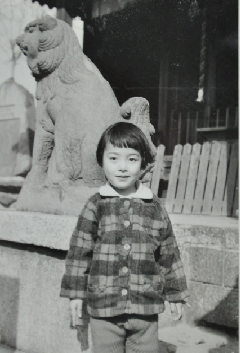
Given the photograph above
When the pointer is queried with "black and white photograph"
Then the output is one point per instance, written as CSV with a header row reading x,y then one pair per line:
x,y
119,155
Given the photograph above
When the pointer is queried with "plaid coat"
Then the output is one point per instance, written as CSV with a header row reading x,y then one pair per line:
x,y
123,258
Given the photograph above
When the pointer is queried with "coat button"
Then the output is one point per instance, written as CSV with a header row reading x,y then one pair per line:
x,y
126,246
125,269
126,223
124,292
126,203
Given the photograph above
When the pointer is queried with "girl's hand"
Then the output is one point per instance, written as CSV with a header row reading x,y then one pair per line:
x,y
75,308
177,309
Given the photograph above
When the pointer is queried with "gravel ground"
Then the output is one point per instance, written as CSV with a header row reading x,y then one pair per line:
x,y
181,338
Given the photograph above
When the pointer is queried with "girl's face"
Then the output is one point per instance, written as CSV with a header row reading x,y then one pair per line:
x,y
122,168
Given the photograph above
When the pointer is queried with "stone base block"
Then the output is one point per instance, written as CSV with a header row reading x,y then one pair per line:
x,y
220,306
213,304
195,313
206,265
231,269
33,317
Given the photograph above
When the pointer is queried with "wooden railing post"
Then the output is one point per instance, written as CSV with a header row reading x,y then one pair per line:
x,y
158,169
179,128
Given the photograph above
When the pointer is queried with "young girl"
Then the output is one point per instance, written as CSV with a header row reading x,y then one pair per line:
x,y
123,256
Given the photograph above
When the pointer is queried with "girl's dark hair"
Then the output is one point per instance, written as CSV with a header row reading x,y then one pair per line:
x,y
125,135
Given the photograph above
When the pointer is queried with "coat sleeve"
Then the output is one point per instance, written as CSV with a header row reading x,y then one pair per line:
x,y
79,256
175,284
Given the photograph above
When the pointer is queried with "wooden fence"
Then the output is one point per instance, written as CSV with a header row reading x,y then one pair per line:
x,y
203,179
191,126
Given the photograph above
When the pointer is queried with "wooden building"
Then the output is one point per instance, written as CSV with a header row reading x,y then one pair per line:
x,y
181,55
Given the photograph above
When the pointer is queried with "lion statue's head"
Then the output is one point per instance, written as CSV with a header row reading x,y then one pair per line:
x,y
49,43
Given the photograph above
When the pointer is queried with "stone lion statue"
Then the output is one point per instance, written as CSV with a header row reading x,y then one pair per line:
x,y
75,104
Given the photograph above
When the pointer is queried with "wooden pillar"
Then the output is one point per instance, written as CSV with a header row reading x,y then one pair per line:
x,y
163,95
62,13
210,96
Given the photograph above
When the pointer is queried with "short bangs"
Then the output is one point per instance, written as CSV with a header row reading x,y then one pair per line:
x,y
126,135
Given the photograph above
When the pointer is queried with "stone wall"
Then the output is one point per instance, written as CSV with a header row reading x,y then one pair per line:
x,y
33,247
210,255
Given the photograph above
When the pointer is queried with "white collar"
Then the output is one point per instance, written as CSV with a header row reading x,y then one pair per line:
x,y
142,192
